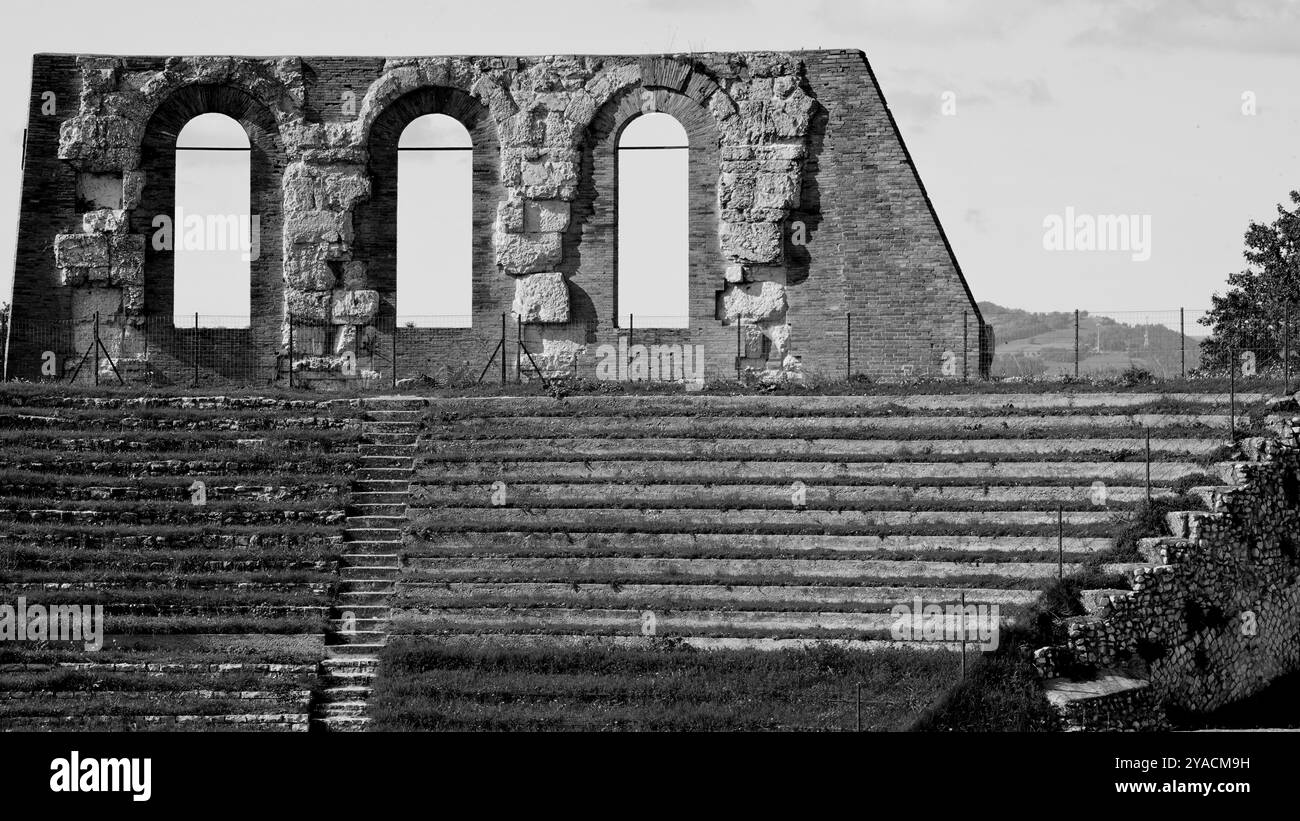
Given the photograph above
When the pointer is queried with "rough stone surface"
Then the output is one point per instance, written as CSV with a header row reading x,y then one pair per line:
x,y
542,297
754,302
1213,623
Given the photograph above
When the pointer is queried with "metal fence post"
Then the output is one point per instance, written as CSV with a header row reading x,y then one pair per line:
x,y
290,350
1182,339
1148,465
739,322
1286,349
1060,541
1076,343
95,345
393,343
965,345
519,345
196,349
848,346
503,347
1232,395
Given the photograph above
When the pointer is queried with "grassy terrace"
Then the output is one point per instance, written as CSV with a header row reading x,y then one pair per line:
x,y
429,685
211,611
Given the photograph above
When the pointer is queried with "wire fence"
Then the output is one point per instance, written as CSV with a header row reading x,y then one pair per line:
x,y
462,350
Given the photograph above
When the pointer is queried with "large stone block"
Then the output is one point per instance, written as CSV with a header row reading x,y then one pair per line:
x,y
753,302
510,216
545,179
546,215
355,307
542,297
308,306
103,220
312,227
126,259
324,188
752,242
80,250
308,270
528,253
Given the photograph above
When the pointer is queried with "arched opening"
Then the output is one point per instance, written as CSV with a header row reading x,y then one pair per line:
x,y
653,279
214,232
435,223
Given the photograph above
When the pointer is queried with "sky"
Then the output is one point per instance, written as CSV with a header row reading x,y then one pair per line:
x,y
1175,117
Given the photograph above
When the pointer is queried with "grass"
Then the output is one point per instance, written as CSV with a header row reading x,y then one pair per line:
x,y
424,684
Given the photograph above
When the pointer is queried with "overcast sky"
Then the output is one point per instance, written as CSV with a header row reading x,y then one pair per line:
x,y
1111,107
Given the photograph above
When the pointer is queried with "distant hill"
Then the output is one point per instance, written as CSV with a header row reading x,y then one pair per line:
x,y
1038,344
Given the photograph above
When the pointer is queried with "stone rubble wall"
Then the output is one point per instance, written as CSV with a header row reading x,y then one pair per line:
x,y
1216,620
541,108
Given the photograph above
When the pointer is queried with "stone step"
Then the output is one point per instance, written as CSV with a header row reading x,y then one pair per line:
x,y
397,511
526,543
372,534
494,407
416,595
558,640
746,472
379,522
526,495
358,636
367,651
635,622
771,571
920,450
697,520
367,585
345,693
622,426
371,462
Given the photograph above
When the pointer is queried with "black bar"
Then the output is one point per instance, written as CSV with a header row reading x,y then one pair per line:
x,y
95,345
394,344
503,348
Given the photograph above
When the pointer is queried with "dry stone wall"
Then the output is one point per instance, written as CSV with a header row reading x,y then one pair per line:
x,y
775,118
1213,621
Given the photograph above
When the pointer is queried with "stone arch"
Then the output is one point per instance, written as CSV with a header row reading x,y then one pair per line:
x,y
591,255
449,74
268,161
375,219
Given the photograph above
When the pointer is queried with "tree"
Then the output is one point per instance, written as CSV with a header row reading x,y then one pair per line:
x,y
1251,315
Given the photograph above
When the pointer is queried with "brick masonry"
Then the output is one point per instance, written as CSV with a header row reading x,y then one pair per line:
x,y
805,208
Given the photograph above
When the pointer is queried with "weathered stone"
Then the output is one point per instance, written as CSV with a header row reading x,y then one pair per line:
x,y
307,306
546,215
510,216
312,227
308,270
103,220
546,179
355,307
734,273
324,188
132,189
542,297
80,250
126,259
354,274
753,302
100,191
754,242
528,253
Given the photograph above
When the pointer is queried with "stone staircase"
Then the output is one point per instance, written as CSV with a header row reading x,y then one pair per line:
x,y
770,521
370,564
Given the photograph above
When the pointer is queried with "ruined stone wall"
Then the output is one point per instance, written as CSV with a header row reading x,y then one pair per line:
x,y
1215,621
804,206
